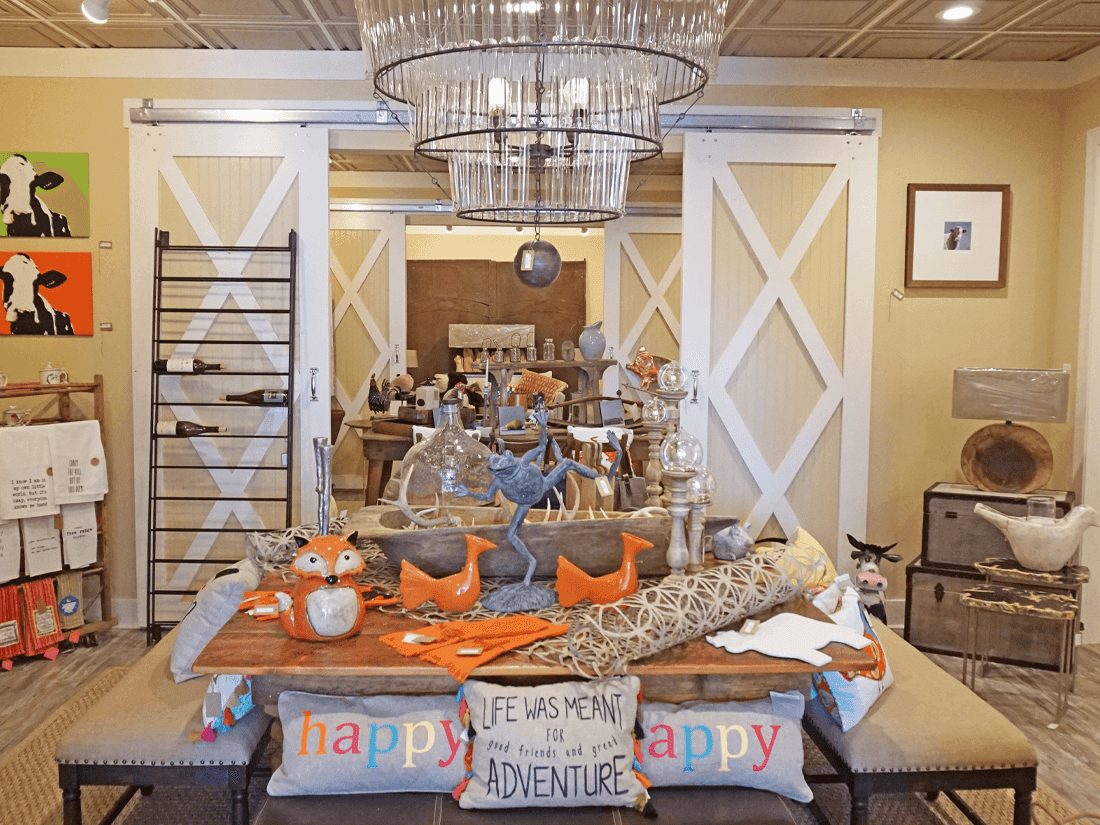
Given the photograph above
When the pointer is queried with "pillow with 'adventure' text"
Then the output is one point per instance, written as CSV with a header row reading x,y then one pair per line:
x,y
568,744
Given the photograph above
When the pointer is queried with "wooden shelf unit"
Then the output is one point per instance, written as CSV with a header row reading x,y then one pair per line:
x,y
59,407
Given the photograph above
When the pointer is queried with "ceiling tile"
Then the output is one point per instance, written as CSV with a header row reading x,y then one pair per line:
x,y
900,46
1074,16
291,38
27,35
754,44
991,15
138,37
808,13
1018,47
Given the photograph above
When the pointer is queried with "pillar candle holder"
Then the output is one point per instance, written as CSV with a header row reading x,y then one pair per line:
x,y
654,413
678,508
700,490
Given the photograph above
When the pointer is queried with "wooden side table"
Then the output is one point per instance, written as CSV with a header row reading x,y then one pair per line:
x,y
1011,589
380,450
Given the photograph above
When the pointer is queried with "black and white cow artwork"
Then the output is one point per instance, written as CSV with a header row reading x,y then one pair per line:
x,y
27,311
24,213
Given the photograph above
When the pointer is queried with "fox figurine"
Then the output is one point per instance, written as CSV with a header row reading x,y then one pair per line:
x,y
326,603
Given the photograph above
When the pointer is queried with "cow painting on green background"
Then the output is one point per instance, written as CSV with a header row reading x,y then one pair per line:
x,y
44,194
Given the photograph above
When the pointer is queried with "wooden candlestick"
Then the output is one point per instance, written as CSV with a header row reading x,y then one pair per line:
x,y
654,431
678,508
695,541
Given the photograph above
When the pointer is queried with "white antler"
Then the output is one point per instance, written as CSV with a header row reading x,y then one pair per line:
x,y
402,504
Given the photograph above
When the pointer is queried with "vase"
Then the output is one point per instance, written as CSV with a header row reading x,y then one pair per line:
x,y
592,342
435,466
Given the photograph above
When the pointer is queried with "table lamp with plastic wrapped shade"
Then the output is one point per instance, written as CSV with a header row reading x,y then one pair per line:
x,y
1009,457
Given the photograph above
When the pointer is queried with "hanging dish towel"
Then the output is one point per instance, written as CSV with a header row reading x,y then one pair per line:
x,y
26,484
79,466
11,550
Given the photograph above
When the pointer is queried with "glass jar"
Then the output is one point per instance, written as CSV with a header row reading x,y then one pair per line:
x,y
548,349
446,458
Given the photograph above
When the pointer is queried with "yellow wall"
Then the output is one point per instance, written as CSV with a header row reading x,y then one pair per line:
x,y
1019,138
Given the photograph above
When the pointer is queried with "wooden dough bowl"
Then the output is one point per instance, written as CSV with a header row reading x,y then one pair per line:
x,y
595,545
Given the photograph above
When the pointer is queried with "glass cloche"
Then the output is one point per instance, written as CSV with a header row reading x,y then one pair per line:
x,y
672,376
654,411
681,452
446,458
701,487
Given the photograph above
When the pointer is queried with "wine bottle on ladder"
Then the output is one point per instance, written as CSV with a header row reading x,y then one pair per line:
x,y
185,429
260,398
183,365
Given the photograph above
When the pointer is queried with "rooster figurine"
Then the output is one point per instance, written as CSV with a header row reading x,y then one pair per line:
x,y
455,593
326,603
574,585
378,399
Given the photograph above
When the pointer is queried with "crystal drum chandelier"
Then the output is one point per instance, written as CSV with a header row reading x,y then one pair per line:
x,y
539,106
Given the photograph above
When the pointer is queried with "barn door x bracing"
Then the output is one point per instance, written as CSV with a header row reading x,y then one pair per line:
x,y
241,185
777,314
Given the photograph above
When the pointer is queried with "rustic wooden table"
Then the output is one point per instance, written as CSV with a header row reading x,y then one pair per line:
x,y
363,665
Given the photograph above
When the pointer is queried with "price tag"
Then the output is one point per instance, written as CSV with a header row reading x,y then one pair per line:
x,y
9,633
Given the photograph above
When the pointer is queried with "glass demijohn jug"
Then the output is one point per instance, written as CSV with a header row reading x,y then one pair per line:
x,y
446,458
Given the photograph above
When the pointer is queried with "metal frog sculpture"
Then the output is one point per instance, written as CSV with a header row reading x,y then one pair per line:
x,y
521,481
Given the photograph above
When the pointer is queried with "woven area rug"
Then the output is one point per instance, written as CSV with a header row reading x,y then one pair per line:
x,y
28,774
29,794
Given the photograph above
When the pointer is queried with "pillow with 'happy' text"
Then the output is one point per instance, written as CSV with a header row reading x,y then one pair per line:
x,y
567,744
754,744
368,744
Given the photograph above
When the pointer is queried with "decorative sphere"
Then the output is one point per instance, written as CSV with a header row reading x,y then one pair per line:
x,y
537,263
672,376
654,411
701,487
681,452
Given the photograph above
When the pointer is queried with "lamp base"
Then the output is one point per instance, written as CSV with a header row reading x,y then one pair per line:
x,y
1007,458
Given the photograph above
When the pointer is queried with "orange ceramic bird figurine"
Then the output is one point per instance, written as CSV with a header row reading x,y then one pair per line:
x,y
453,593
574,585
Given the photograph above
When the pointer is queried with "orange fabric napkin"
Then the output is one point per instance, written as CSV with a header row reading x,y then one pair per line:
x,y
494,636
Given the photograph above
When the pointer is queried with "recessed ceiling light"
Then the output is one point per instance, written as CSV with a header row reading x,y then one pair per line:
x,y
957,13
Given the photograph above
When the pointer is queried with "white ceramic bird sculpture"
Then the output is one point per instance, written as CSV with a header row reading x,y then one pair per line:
x,y
1042,543
790,636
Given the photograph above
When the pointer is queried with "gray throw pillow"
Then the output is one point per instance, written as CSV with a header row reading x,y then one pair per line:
x,y
568,744
368,744
214,605
748,744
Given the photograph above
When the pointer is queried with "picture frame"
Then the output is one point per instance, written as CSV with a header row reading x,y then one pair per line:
x,y
957,235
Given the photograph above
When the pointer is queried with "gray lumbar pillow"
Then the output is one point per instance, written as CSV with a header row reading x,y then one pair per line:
x,y
214,605
749,744
368,744
562,745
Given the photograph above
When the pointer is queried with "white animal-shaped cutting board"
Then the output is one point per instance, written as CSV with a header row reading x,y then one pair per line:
x,y
789,636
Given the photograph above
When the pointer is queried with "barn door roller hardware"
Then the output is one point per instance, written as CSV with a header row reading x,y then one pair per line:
x,y
371,116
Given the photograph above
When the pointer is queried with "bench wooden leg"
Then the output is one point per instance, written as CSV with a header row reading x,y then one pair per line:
x,y
861,806
70,803
238,807
1021,807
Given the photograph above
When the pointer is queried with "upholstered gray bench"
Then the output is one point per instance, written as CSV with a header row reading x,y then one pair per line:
x,y
697,806
927,733
138,735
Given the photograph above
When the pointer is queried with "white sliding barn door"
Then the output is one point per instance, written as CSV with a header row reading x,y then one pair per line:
x,y
643,282
367,273
241,185
778,277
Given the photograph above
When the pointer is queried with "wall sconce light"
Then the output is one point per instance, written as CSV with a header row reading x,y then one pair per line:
x,y
96,11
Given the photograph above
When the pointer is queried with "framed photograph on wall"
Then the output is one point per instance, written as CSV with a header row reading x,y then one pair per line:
x,y
957,235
